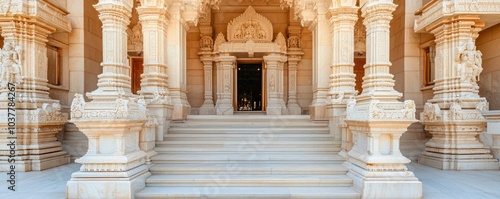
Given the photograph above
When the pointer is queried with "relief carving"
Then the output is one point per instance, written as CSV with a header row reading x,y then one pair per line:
x,y
294,42
469,62
206,43
250,26
135,38
77,106
11,64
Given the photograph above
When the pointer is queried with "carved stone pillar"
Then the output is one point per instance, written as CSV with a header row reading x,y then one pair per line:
x,y
274,66
29,118
342,77
114,164
453,115
377,120
208,104
154,81
294,57
176,48
225,78
322,48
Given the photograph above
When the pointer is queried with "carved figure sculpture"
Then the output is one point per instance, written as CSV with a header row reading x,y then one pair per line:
x,y
469,64
11,64
77,106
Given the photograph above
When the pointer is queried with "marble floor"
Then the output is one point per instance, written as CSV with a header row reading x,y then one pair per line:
x,y
437,184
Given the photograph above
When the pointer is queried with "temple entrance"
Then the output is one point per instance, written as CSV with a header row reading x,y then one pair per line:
x,y
249,87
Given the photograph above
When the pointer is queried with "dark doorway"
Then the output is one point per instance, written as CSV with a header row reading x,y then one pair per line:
x,y
249,87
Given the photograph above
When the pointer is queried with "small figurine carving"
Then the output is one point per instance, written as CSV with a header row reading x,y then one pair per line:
x,y
469,60
11,64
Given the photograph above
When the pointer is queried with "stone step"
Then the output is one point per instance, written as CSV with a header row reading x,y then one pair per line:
x,y
250,168
248,130
219,124
234,137
261,143
228,180
245,158
319,149
224,192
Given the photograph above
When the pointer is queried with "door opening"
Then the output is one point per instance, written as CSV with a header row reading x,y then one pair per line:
x,y
249,87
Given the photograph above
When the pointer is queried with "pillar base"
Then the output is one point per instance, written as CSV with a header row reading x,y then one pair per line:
x,y
37,163
207,109
224,109
294,109
459,162
384,184
107,184
318,112
181,107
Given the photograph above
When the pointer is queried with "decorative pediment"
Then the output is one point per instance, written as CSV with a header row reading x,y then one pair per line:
x,y
250,26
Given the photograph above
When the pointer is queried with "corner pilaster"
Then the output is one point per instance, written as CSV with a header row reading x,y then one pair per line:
x,y
225,77
274,69
29,117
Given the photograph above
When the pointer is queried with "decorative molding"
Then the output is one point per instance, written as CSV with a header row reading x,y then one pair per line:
x,y
441,9
250,26
40,10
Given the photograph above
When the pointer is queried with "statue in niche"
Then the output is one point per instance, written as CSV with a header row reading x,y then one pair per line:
x,y
135,35
469,65
11,64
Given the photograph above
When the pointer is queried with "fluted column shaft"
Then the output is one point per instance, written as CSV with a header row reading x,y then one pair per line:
x,y
342,77
115,78
378,82
154,22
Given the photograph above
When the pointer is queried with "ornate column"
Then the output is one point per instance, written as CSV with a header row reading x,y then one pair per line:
x,y
274,66
377,119
453,115
322,48
294,57
342,78
206,47
225,77
154,82
29,118
176,60
114,164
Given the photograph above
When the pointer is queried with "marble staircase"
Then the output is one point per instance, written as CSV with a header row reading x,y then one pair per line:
x,y
248,156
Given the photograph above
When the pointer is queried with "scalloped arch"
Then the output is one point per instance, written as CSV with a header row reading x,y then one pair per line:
x,y
250,25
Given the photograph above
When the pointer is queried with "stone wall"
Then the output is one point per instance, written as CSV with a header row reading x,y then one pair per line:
x,y
488,42
405,55
195,87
